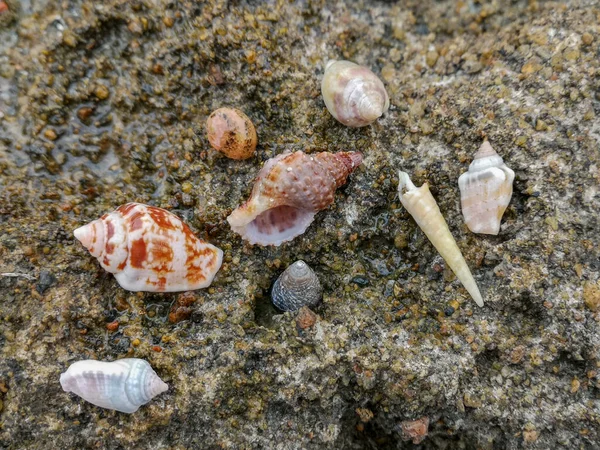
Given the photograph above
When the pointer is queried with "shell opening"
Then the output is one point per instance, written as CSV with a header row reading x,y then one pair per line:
x,y
276,225
404,183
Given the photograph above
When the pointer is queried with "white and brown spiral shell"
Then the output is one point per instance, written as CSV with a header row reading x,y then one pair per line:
x,y
150,249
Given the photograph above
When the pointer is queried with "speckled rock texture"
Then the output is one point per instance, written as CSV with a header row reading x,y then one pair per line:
x,y
104,102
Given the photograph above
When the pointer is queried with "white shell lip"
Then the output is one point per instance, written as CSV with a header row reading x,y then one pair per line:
x,y
249,229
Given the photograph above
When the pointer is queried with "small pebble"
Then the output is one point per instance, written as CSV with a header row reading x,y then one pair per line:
x,y
415,430
50,134
45,281
305,318
360,280
101,92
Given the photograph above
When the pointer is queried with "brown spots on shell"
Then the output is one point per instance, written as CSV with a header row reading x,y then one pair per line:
x,y
110,232
138,253
232,133
161,217
162,257
125,209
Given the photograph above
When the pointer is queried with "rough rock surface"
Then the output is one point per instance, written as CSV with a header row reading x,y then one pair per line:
x,y
104,102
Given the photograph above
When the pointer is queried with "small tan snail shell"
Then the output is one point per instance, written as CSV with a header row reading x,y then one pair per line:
x,y
296,287
231,132
150,249
353,94
422,207
123,385
485,191
289,190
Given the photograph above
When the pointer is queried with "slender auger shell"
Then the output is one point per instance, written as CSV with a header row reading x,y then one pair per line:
x,y
289,190
353,94
122,385
485,191
422,207
297,286
150,249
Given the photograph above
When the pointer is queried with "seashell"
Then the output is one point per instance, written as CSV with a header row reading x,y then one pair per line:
x,y
231,132
150,249
353,94
296,287
422,207
289,190
485,191
122,385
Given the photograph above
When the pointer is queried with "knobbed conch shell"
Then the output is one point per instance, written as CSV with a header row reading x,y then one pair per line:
x,y
353,94
296,287
122,385
150,249
422,207
485,191
289,190
231,132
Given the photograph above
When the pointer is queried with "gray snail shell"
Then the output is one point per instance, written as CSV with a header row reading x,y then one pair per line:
x,y
298,286
353,94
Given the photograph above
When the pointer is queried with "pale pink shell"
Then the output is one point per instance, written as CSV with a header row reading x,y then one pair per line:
x,y
289,190
150,249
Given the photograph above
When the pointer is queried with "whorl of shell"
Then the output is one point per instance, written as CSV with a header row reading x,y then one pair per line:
x,y
122,385
485,191
150,249
231,132
289,190
353,94
296,287
422,207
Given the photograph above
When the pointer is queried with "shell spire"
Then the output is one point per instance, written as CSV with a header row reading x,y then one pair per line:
x,y
123,385
150,249
423,208
289,190
485,191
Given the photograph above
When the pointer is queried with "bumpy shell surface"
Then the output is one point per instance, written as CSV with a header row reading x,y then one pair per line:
x,y
485,191
423,208
150,249
296,287
353,94
231,132
122,385
289,190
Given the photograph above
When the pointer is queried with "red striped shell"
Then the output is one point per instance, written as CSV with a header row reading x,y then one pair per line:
x,y
289,190
150,249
